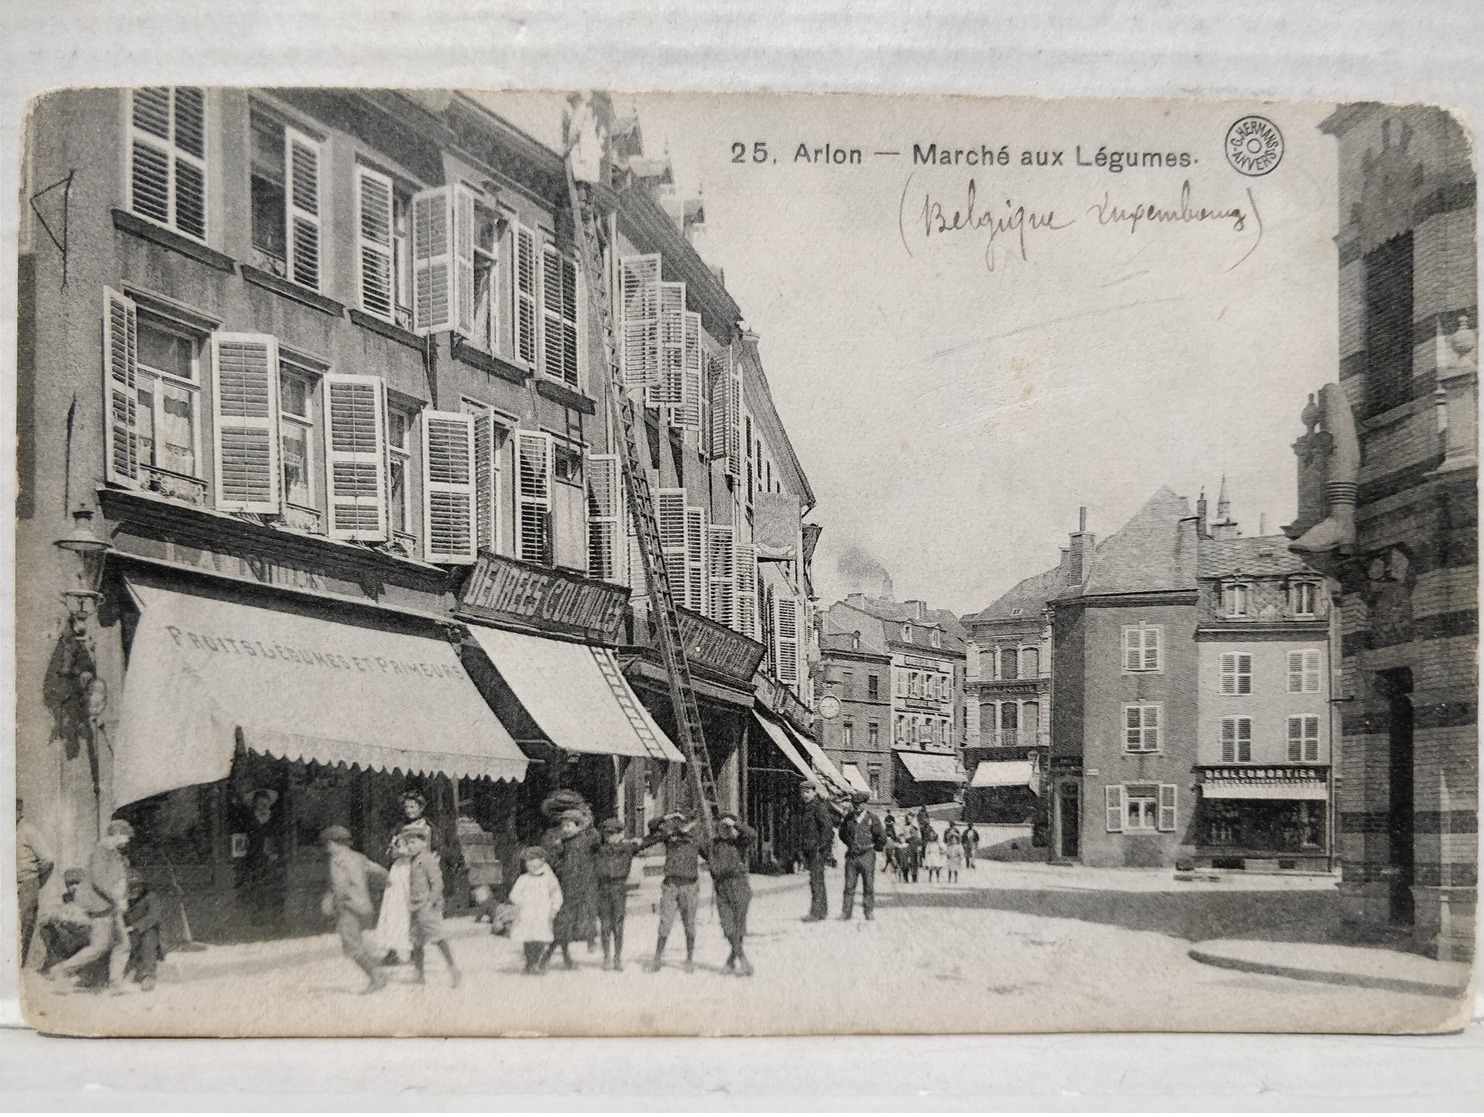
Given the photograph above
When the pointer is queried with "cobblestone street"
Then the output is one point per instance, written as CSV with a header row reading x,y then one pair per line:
x,y
1008,948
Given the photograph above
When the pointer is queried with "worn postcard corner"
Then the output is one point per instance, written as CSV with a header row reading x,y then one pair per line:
x,y
658,564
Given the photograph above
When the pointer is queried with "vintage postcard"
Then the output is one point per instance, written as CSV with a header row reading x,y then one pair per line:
x,y
599,563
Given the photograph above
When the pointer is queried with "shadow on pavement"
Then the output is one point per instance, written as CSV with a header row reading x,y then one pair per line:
x,y
1277,916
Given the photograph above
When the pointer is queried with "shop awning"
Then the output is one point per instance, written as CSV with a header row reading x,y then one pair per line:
x,y
780,737
853,777
820,761
576,694
1005,773
1264,789
932,767
299,687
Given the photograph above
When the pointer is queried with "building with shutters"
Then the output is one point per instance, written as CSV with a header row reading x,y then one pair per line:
x,y
1387,506
925,731
319,372
853,683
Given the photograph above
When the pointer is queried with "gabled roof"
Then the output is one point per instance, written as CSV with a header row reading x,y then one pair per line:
x,y
841,618
1155,551
887,609
1029,596
1258,556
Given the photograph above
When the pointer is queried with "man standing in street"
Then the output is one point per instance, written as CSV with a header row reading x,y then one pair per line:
x,y
33,865
864,837
817,835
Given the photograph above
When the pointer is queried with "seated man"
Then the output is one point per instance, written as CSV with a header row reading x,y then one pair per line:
x,y
64,926
142,920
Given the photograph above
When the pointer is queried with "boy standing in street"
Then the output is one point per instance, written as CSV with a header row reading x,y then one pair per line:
x,y
680,888
727,858
864,837
142,919
425,897
614,859
349,899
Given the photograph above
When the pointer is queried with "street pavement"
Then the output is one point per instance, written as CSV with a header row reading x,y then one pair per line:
x,y
1010,947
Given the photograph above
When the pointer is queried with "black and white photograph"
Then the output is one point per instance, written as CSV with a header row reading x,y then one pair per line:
x,y
601,563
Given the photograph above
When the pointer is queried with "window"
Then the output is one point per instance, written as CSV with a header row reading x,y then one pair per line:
x,y
847,683
873,779
906,634
297,389
936,638
486,330
1388,325
559,317
399,457
1234,598
1236,740
1032,724
169,398
1303,599
901,734
873,735
914,685
1009,664
873,684
1303,738
1009,724
1030,660
533,484
848,731
1236,674
1140,807
1303,672
1141,728
284,186
855,641
167,157
1142,645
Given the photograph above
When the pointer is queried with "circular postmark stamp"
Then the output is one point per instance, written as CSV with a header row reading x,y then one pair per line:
x,y
1254,146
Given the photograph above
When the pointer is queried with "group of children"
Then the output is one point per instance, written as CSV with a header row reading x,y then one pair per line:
x,y
545,918
920,847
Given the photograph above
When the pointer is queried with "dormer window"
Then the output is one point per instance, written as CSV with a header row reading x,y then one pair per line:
x,y
1303,599
855,641
906,634
937,638
1235,599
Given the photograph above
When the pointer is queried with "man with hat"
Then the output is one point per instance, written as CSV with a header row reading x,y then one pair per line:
x,y
816,837
615,857
104,895
349,899
680,888
727,859
864,837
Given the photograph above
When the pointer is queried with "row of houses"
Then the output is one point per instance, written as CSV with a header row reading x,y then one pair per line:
x,y
320,498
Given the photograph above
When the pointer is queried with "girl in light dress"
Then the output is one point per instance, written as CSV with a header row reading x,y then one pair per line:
x,y
934,856
394,922
954,853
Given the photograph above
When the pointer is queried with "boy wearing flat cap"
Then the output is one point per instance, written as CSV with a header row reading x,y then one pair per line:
x,y
864,837
680,889
615,857
349,899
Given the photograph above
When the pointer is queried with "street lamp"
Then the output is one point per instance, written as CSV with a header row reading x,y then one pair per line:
x,y
91,550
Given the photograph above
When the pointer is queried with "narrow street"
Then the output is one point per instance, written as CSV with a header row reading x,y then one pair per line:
x,y
1008,948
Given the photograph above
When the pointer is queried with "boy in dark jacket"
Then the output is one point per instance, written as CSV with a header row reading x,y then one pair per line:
x,y
680,888
614,859
727,859
349,899
425,897
864,837
142,919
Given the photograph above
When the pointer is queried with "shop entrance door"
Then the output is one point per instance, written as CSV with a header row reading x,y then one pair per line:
x,y
1069,817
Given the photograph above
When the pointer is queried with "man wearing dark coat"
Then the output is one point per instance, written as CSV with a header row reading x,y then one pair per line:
x,y
816,837
864,837
571,851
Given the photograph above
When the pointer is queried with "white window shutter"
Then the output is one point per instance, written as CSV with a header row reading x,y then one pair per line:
x,y
605,529
786,639
639,281
462,199
448,487
121,388
721,572
1132,648
695,559
746,574
374,242
558,317
687,411
432,260
302,163
525,295
720,393
1167,792
488,534
355,456
244,371
533,490
669,512
1151,648
734,413
666,392
1113,804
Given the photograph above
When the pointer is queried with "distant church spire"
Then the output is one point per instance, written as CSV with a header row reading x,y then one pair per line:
x,y
1225,527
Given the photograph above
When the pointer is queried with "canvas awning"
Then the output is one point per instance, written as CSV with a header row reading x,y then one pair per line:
x,y
1005,773
576,694
820,761
853,777
202,670
932,767
1264,789
779,736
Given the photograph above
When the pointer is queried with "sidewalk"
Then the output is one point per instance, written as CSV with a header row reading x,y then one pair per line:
x,y
1363,966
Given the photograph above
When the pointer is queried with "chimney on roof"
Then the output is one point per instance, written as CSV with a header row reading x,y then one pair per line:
x,y
856,600
1079,554
1200,515
919,609
1262,523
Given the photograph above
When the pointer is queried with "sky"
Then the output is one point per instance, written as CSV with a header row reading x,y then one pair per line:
x,y
955,395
